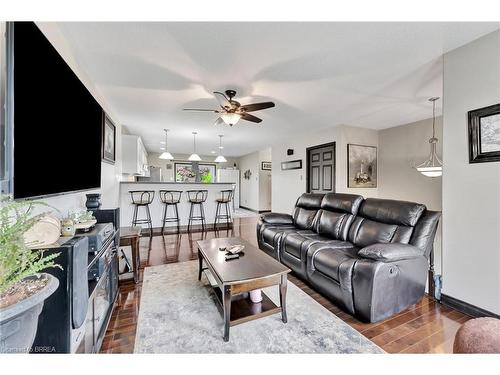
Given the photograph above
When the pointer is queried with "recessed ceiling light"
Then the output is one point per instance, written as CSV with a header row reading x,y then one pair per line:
x,y
212,152
162,142
162,148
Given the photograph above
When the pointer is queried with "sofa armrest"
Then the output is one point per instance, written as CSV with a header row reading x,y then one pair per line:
x,y
390,252
277,218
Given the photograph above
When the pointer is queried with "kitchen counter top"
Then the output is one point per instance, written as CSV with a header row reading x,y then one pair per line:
x,y
176,183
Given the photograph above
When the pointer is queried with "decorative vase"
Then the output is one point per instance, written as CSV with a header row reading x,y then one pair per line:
x,y
93,201
256,296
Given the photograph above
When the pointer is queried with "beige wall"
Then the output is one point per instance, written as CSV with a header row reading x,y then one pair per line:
x,y
471,192
168,174
265,181
255,192
401,148
287,186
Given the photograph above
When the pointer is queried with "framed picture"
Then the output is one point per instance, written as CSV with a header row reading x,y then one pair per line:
x,y
195,172
184,172
361,166
265,165
293,164
207,172
108,149
484,134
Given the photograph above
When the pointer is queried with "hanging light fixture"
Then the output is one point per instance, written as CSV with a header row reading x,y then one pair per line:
x,y
433,166
230,118
220,158
194,156
165,154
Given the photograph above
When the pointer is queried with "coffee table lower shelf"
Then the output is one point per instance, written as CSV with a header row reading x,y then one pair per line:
x,y
244,310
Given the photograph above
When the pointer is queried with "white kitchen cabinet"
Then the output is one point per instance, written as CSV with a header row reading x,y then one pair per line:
x,y
134,156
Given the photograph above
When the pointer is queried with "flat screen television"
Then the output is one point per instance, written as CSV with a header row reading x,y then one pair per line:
x,y
57,122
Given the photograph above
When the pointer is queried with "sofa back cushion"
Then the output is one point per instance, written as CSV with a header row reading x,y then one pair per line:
x,y
336,214
384,221
306,210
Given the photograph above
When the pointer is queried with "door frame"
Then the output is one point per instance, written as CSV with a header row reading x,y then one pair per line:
x,y
308,149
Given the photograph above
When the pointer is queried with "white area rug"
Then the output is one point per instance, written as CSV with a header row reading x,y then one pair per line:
x,y
178,314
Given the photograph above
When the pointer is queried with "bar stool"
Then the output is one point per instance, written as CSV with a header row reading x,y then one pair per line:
x,y
142,198
170,198
225,198
197,198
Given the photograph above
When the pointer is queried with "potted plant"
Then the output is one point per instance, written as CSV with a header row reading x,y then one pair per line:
x,y
23,289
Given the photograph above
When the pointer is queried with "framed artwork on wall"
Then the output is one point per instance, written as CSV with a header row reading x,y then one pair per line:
x,y
293,164
484,134
361,166
206,172
265,165
184,172
108,149
195,172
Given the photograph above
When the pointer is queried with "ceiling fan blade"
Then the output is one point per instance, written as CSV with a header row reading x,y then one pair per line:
x,y
257,106
219,121
223,100
201,110
252,118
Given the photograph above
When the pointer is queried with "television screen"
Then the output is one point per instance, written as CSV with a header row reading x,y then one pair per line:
x,y
57,122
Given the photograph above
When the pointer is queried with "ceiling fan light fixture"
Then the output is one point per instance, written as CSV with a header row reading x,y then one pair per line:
x,y
194,156
433,166
165,155
230,118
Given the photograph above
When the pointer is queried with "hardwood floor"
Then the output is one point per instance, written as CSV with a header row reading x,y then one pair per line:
x,y
427,327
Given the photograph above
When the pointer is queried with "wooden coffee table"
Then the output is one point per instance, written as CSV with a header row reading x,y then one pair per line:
x,y
235,278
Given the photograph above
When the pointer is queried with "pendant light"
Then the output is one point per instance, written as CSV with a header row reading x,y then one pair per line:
x,y
433,166
220,158
165,154
194,156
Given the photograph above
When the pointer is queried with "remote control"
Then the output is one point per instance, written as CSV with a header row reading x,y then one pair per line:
x,y
232,256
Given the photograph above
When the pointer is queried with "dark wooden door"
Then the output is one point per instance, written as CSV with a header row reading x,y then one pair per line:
x,y
321,168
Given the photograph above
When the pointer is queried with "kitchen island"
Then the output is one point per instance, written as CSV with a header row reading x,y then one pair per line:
x,y
156,207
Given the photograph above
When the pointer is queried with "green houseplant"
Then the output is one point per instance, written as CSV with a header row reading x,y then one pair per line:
x,y
23,288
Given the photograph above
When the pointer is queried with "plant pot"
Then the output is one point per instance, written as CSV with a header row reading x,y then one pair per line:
x,y
19,322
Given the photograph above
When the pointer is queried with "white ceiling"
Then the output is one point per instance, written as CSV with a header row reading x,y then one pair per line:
x,y
373,75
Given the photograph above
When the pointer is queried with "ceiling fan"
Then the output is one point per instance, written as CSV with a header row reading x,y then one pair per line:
x,y
232,111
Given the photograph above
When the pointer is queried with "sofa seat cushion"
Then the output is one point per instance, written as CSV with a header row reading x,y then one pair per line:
x,y
271,234
329,260
297,243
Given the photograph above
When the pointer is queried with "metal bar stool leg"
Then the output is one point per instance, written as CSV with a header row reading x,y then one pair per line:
x,y
165,208
227,214
178,219
202,214
134,217
216,216
190,216
150,222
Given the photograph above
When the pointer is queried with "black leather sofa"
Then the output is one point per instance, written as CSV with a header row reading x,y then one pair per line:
x,y
369,256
